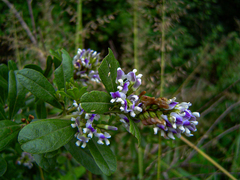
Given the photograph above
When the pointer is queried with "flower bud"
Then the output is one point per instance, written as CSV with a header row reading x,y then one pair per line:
x,y
146,115
152,114
31,117
23,120
141,116
159,113
154,106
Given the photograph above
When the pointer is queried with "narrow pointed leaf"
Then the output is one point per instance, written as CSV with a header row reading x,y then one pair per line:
x,y
2,113
48,71
45,135
12,65
4,71
56,54
3,83
96,102
108,72
38,85
3,166
103,156
83,156
64,72
35,67
134,130
57,59
16,95
8,132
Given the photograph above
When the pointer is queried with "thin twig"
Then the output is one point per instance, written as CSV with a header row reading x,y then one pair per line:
x,y
32,17
22,22
208,158
211,128
217,96
221,135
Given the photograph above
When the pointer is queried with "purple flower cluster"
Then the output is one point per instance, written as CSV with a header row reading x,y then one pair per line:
x,y
123,98
86,63
84,122
178,119
26,159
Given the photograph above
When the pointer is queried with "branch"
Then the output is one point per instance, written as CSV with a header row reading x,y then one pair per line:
x,y
22,22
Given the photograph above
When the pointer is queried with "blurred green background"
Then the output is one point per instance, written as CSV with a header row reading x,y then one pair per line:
x,y
202,66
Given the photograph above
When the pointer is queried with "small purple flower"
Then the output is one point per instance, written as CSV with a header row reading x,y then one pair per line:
x,y
103,137
82,139
26,159
120,74
89,130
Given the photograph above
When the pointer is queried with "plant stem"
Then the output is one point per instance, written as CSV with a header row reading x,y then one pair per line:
x,y
16,44
135,34
208,158
79,38
161,88
136,66
89,175
41,173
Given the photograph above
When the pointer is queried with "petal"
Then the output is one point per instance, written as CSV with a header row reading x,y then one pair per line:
x,y
131,76
120,73
125,87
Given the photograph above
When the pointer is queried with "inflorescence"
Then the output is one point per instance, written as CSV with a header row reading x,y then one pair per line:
x,y
26,159
166,115
86,128
86,63
124,100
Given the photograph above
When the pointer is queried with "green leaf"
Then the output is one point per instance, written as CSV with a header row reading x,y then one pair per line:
x,y
96,102
12,65
16,95
8,132
103,156
4,71
38,85
64,72
75,93
3,166
108,72
134,130
45,135
41,110
35,67
47,164
48,71
57,59
3,83
56,54
83,156
4,88
2,113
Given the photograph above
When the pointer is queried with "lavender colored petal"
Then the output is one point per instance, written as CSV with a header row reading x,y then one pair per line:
x,y
120,73
131,76
137,83
125,87
172,105
186,123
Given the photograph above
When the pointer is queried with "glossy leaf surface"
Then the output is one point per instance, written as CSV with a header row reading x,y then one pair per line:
x,y
45,135
96,102
108,72
38,85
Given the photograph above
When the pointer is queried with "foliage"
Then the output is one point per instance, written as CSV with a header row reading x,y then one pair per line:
x,y
202,46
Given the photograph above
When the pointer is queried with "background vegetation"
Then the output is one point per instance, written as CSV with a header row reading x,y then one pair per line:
x,y
201,55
